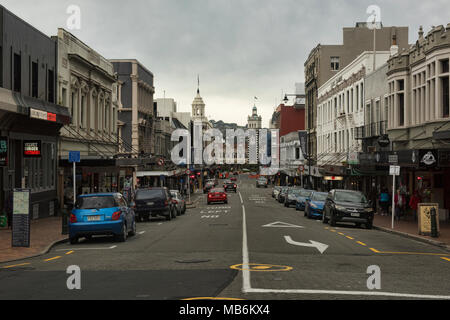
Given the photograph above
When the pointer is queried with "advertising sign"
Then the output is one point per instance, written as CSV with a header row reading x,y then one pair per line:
x,y
21,218
31,148
303,138
424,214
3,151
428,158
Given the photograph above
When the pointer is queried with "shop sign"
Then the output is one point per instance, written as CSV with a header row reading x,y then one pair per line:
x,y
3,151
353,158
393,159
42,115
333,178
384,141
32,148
428,158
444,158
424,216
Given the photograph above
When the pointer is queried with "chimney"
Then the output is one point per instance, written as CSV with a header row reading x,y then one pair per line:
x,y
394,46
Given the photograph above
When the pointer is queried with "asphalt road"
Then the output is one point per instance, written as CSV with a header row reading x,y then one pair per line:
x,y
250,248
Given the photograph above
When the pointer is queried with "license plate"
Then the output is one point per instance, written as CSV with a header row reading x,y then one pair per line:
x,y
93,218
150,203
355,214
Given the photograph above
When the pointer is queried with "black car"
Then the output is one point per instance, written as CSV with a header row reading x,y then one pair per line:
x,y
208,186
154,202
229,185
347,206
282,194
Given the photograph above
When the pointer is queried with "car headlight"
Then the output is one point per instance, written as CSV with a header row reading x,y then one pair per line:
x,y
368,209
341,208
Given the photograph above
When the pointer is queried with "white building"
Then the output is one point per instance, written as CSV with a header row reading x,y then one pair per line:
x,y
165,107
341,109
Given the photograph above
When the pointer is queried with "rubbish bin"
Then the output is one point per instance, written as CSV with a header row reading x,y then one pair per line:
x,y
3,221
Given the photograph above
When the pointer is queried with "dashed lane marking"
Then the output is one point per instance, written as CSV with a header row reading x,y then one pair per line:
x,y
51,259
361,243
444,258
16,265
70,252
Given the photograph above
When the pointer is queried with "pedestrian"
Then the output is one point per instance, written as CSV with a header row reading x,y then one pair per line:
x,y
413,203
384,202
399,202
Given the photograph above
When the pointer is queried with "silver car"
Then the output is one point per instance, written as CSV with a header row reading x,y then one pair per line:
x,y
179,202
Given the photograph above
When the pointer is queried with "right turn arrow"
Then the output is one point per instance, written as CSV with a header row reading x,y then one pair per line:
x,y
319,246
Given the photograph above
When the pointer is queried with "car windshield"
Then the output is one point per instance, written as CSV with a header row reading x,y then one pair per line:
x,y
217,190
149,194
350,197
305,193
295,192
95,202
319,196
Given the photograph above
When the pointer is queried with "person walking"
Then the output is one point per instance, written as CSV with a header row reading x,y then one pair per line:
x,y
414,202
384,202
400,202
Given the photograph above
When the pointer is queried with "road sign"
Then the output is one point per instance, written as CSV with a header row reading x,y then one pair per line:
x,y
188,171
74,156
160,162
394,170
393,159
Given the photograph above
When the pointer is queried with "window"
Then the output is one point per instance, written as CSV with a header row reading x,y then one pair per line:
x,y
401,109
445,97
401,85
444,66
334,63
51,86
34,79
17,73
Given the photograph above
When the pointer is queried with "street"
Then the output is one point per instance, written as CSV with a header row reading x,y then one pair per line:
x,y
251,248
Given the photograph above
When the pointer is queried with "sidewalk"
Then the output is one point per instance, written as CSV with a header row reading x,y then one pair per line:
x,y
409,228
43,233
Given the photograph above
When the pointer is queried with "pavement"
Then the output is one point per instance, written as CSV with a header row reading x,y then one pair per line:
x,y
43,234
252,248
409,228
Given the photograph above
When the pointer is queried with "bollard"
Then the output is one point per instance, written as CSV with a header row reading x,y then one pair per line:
x,y
434,231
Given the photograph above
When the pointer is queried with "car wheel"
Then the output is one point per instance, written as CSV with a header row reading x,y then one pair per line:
x,y
324,219
369,225
123,236
133,229
332,220
73,240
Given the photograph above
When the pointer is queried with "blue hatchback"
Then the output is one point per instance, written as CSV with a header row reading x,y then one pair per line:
x,y
301,199
314,205
101,214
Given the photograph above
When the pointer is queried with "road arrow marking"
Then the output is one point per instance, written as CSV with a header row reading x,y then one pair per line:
x,y
279,224
314,244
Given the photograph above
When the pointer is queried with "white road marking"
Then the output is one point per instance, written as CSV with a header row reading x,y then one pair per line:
x,y
279,224
242,202
245,260
75,249
142,232
355,293
314,244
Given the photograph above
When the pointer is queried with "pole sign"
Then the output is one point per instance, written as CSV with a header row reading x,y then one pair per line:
x,y
21,218
3,151
74,156
394,170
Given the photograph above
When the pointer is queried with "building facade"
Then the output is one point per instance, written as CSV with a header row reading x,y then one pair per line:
x,y
30,120
88,87
324,61
418,116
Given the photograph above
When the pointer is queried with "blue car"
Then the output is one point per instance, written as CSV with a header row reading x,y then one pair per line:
x,y
314,205
301,199
101,214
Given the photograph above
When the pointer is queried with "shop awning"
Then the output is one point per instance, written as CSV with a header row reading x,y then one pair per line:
x,y
171,173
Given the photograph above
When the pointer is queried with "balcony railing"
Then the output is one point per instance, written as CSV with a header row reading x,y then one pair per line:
x,y
372,130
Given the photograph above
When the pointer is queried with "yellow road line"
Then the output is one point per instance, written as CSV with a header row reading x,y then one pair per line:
x,y
54,258
350,238
418,253
374,250
70,252
444,258
16,265
332,230
361,243
341,233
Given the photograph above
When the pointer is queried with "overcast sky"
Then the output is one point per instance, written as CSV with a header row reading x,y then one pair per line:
x,y
240,48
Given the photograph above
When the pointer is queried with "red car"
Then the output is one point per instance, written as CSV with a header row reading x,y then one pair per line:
x,y
217,195
233,179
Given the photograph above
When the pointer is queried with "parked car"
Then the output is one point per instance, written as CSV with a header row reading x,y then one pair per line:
x,y
217,195
261,182
229,185
348,206
275,191
314,204
208,186
153,202
291,196
282,194
101,214
233,179
179,201
301,199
